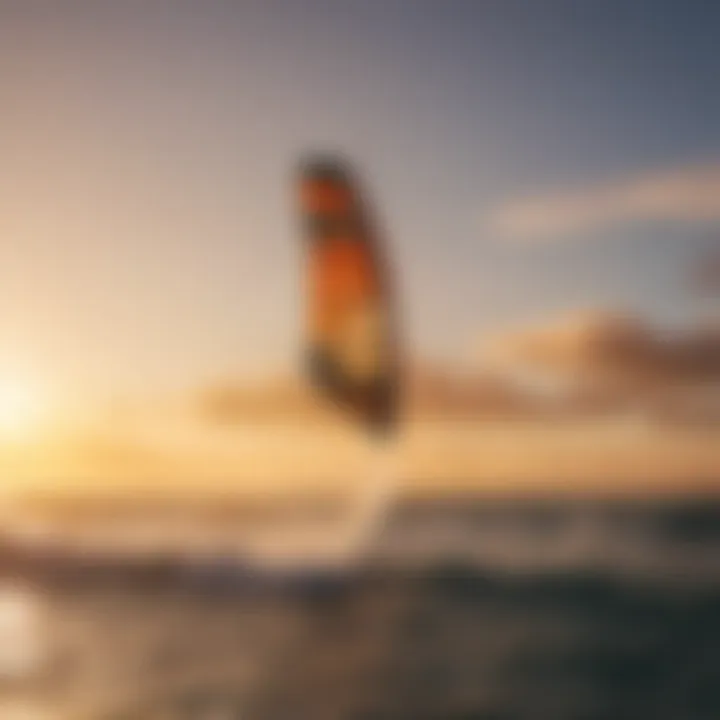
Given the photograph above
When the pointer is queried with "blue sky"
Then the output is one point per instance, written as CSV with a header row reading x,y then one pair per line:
x,y
147,150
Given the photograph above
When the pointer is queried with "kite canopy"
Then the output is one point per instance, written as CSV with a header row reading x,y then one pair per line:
x,y
351,343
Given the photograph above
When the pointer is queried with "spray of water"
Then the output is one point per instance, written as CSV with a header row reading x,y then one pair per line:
x,y
370,510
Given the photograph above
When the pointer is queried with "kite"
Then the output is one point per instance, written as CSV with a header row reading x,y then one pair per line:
x,y
351,353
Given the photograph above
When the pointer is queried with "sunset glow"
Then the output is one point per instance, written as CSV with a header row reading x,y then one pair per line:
x,y
554,247
21,408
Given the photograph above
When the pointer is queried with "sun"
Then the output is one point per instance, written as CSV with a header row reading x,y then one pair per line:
x,y
20,408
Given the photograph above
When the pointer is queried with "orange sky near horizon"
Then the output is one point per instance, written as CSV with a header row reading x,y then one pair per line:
x,y
591,457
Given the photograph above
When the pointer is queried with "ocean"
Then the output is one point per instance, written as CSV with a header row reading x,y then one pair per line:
x,y
463,609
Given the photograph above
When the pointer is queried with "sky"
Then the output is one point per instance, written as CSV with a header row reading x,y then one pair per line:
x,y
526,159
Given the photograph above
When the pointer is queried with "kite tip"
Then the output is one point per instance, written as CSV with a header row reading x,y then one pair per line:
x,y
324,166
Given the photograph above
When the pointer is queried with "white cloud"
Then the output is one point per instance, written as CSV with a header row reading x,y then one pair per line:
x,y
685,195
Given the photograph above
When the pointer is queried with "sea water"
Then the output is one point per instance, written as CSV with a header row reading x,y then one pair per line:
x,y
522,610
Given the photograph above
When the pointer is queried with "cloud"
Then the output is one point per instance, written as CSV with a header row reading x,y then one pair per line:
x,y
686,195
613,347
616,361
237,401
443,392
